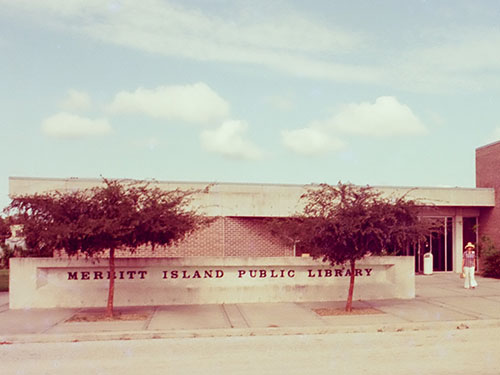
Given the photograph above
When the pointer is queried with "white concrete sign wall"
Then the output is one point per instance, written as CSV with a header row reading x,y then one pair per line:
x,y
54,282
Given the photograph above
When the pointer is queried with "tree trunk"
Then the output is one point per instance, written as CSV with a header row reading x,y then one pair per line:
x,y
348,306
111,290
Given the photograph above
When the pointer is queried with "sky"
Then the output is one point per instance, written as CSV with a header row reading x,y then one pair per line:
x,y
384,92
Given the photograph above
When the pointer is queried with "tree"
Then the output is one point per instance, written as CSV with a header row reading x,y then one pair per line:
x,y
4,230
292,231
5,233
111,217
351,222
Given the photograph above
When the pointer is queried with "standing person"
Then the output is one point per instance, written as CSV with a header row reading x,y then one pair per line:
x,y
469,265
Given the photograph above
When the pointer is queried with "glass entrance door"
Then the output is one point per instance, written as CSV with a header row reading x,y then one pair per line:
x,y
439,242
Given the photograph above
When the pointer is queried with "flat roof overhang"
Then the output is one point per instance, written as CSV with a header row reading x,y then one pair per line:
x,y
262,200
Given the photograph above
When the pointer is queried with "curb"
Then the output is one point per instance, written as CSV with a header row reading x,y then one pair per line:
x,y
244,332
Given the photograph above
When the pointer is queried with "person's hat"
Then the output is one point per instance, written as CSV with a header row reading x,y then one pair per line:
x,y
469,245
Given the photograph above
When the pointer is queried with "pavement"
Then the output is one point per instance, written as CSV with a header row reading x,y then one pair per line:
x,y
441,303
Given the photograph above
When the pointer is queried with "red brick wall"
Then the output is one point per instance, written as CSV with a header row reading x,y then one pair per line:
x,y
488,175
226,236
250,237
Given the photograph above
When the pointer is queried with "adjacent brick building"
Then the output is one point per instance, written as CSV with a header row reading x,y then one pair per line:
x,y
488,176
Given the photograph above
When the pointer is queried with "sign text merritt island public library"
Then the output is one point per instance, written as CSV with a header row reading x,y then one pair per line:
x,y
82,283
176,274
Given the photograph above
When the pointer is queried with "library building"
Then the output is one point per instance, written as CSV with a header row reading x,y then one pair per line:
x,y
238,245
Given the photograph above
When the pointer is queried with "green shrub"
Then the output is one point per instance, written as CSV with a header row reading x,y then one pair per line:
x,y
490,258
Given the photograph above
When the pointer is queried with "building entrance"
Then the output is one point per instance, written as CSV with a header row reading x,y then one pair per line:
x,y
439,242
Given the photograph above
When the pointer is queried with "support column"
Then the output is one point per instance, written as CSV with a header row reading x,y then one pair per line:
x,y
458,242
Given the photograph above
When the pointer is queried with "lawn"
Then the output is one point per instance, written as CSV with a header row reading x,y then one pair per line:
x,y
4,280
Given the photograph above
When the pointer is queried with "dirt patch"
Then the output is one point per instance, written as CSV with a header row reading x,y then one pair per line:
x,y
355,311
102,317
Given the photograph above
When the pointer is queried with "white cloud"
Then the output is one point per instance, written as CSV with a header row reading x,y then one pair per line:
x,y
309,141
475,50
296,43
66,125
76,101
229,140
196,103
385,117
450,59
292,43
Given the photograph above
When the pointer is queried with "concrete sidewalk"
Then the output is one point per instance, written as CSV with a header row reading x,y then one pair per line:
x,y
441,303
